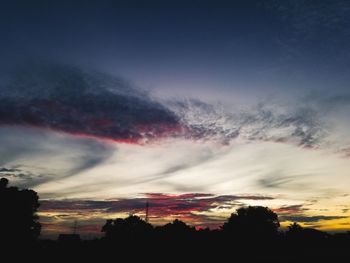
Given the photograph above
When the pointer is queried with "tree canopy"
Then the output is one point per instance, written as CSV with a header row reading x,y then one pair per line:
x,y
252,221
18,218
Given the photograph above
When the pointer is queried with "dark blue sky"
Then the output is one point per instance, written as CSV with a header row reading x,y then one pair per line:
x,y
190,48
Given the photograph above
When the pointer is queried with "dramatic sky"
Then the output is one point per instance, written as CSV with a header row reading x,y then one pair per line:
x,y
199,107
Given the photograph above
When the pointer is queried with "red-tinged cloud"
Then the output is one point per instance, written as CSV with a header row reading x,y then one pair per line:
x,y
88,104
160,204
290,209
191,208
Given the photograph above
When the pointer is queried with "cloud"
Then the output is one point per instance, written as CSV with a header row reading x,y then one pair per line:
x,y
8,170
21,178
31,157
86,103
295,213
290,209
310,219
96,105
314,120
276,180
264,122
160,205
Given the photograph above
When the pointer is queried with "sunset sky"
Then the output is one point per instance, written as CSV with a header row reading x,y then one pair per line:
x,y
198,107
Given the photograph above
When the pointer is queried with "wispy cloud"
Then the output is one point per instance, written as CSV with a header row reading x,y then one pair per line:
x,y
161,205
290,209
299,213
31,157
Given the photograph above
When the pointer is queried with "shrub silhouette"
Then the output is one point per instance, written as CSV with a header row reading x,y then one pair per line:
x,y
18,219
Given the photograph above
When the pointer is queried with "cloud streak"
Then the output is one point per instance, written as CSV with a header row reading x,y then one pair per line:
x,y
30,157
311,219
297,213
161,205
193,208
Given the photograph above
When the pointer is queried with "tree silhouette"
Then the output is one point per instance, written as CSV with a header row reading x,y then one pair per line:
x,y
18,219
177,227
176,230
132,228
252,222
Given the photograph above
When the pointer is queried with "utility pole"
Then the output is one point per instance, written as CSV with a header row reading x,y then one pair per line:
x,y
147,206
75,227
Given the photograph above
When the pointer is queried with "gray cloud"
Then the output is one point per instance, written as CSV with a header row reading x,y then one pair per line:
x,y
92,154
69,99
33,156
279,180
264,122
8,170
290,209
295,213
275,182
23,178
310,219
161,204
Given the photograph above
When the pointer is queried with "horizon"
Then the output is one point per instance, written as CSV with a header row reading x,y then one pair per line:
x,y
281,229
197,107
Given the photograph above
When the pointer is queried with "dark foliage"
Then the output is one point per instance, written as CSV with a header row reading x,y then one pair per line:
x,y
18,219
252,223
130,229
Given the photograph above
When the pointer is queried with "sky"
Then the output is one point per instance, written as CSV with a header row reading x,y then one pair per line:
x,y
198,107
